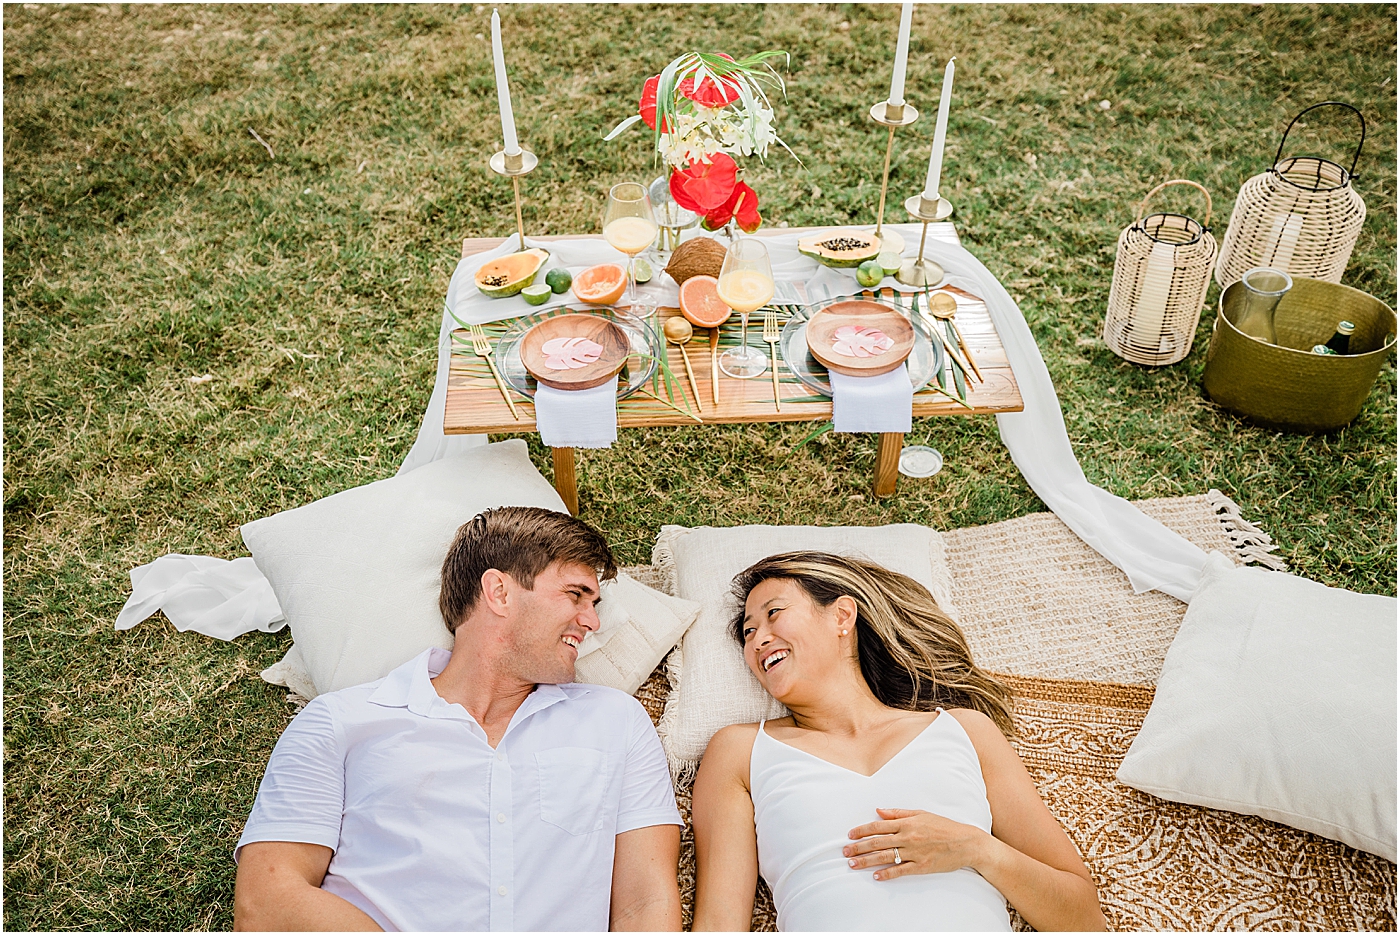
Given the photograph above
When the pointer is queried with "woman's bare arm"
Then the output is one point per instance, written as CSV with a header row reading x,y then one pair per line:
x,y
1036,867
726,844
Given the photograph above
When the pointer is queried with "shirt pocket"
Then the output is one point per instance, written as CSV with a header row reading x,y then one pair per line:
x,y
573,788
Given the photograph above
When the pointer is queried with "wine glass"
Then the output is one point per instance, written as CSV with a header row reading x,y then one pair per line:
x,y
629,226
745,285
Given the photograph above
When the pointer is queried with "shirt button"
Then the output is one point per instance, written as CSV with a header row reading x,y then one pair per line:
x,y
502,890
500,757
502,819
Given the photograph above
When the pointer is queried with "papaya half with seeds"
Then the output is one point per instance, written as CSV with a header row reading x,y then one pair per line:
x,y
507,275
844,249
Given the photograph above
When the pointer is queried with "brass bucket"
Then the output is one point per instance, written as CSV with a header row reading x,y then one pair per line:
x,y
1286,386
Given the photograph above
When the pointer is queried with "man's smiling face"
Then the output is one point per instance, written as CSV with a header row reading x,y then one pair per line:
x,y
549,621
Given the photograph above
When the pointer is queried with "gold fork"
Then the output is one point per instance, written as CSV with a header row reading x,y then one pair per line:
x,y
770,334
481,345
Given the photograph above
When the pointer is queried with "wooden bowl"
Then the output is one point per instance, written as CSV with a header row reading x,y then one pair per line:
x,y
821,340
598,330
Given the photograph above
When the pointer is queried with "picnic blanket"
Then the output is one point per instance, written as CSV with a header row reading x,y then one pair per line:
x,y
1081,653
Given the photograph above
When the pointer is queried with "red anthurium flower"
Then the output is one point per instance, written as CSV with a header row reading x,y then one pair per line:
x,y
647,108
703,186
710,94
742,207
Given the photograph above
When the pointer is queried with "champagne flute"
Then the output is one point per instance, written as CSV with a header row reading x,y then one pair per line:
x,y
745,285
629,226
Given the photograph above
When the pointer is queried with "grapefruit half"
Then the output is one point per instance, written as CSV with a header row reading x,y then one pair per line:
x,y
600,285
701,304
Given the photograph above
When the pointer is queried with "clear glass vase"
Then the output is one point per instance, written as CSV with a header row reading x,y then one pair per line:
x,y
1263,289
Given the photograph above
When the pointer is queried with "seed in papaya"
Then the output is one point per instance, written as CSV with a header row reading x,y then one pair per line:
x,y
840,249
507,275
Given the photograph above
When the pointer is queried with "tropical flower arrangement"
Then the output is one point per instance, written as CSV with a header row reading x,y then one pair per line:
x,y
704,109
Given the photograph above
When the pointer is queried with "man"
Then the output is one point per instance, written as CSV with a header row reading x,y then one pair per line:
x,y
474,790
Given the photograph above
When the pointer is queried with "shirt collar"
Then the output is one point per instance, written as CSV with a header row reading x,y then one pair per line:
x,y
410,686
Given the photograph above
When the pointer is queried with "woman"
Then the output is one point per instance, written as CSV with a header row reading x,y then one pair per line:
x,y
890,798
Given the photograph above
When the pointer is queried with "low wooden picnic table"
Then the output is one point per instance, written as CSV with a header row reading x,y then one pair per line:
x,y
475,406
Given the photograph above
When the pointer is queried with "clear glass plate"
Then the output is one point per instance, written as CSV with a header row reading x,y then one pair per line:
x,y
638,370
923,362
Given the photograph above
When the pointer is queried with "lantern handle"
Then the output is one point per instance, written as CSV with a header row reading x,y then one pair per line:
x,y
1142,208
1278,157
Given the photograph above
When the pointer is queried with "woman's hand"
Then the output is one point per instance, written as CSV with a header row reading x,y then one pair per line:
x,y
927,843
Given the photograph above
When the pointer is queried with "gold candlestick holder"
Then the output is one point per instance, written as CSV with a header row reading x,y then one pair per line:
x,y
923,272
893,116
514,166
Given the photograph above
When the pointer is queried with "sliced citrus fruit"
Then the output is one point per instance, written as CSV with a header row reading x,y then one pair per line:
x,y
700,302
600,285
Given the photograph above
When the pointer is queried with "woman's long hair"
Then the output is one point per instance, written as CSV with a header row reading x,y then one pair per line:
x,y
912,655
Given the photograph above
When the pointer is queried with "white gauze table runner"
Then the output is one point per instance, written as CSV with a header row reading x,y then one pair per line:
x,y
1151,555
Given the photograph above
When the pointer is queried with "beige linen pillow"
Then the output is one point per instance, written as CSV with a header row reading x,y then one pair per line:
x,y
1277,699
711,686
357,574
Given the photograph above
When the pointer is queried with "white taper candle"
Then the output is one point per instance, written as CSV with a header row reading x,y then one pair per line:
x,y
901,54
503,88
940,135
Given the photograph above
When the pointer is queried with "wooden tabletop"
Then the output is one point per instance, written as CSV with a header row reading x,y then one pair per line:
x,y
474,402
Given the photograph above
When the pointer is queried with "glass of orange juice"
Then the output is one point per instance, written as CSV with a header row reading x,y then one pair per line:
x,y
629,226
745,285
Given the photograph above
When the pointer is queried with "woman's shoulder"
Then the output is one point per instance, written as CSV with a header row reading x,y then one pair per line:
x,y
731,738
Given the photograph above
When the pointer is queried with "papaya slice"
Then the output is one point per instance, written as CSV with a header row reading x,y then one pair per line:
x,y
843,249
507,275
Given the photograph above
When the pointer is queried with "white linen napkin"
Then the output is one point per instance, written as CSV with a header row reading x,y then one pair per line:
x,y
883,403
577,418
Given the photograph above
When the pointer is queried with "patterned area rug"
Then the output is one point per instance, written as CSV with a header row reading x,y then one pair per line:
x,y
1082,652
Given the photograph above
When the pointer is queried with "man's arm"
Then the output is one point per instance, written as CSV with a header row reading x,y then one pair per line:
x,y
278,889
645,897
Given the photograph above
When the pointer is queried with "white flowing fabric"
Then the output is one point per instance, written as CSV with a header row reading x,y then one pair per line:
x,y
211,598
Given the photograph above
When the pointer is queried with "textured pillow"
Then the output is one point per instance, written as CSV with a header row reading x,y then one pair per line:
x,y
711,686
1277,699
357,573
639,626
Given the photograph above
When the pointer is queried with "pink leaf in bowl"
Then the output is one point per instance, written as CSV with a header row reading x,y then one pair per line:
x,y
859,341
570,353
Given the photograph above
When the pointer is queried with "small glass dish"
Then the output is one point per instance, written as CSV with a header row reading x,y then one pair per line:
x,y
920,461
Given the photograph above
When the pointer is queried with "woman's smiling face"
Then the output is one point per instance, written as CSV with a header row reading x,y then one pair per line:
x,y
789,638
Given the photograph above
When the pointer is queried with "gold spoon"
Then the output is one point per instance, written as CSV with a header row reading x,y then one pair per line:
x,y
678,332
943,306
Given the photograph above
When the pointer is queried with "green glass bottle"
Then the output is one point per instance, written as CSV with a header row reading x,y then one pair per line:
x,y
1340,342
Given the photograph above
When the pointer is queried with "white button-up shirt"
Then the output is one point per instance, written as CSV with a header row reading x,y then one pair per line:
x,y
434,830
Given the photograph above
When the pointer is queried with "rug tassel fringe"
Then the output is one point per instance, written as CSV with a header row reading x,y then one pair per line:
x,y
1251,543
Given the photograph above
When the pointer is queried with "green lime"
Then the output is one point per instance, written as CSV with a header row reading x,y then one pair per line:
x,y
642,270
537,294
870,273
890,262
559,280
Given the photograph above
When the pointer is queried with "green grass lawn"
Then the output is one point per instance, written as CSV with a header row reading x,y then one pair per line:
x,y
149,239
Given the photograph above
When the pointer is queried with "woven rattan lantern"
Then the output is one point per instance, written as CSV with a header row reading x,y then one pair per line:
x,y
1160,278
1301,216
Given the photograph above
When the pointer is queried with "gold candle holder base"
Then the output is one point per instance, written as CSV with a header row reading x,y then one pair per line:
x,y
893,116
921,272
513,166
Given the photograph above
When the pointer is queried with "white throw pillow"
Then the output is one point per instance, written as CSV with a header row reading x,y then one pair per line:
x,y
357,573
711,686
1277,699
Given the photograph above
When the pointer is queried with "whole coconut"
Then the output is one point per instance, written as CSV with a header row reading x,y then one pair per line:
x,y
701,256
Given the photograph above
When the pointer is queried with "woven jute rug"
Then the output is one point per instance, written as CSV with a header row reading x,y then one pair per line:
x,y
1081,652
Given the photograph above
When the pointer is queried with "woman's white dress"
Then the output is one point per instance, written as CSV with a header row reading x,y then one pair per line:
x,y
804,807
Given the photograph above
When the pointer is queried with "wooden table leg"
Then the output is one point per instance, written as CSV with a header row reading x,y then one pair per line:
x,y
886,462
564,480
